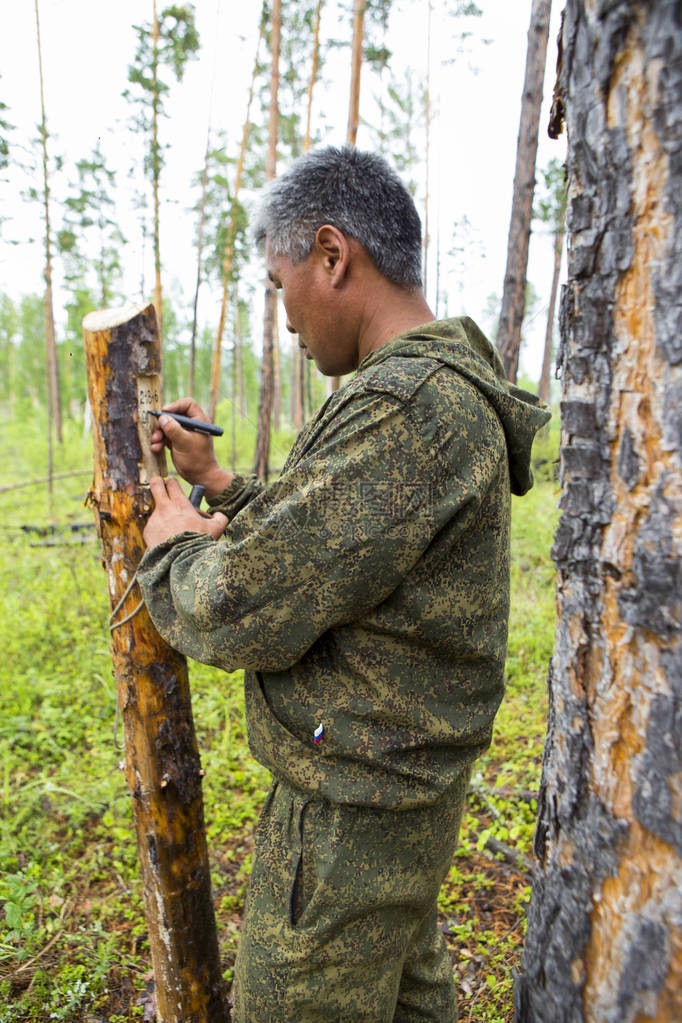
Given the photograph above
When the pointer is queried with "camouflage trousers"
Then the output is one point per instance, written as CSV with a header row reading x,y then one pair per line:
x,y
340,922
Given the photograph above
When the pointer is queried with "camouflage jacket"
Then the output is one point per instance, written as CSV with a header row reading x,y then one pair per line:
x,y
366,591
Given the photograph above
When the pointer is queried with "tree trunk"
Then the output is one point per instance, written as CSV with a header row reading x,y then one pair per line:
x,y
427,162
276,372
239,345
354,103
200,259
313,75
156,172
163,770
356,68
54,404
543,388
267,369
297,356
514,293
232,232
604,921
262,456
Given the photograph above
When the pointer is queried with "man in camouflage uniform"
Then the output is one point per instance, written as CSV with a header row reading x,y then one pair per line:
x,y
366,593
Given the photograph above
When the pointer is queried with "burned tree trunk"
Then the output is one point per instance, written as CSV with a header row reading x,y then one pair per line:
x,y
514,293
605,918
162,760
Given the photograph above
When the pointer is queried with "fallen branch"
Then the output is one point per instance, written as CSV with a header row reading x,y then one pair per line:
x,y
515,857
45,479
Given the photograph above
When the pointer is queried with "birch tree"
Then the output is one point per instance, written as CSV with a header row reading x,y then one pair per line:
x,y
605,916
513,306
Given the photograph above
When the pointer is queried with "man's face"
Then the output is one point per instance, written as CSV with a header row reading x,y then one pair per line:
x,y
314,311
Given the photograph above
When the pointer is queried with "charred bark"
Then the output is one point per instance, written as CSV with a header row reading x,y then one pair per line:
x,y
163,769
605,916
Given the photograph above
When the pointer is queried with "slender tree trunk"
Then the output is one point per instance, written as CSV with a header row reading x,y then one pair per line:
x,y
427,168
543,388
266,399
514,293
239,349
232,231
604,933
276,372
235,377
356,68
200,259
297,356
354,103
314,69
156,171
307,373
52,365
297,385
163,770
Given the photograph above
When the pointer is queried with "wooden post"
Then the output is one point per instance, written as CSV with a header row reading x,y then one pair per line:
x,y
123,356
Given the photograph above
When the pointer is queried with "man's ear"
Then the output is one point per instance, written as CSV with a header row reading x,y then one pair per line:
x,y
334,250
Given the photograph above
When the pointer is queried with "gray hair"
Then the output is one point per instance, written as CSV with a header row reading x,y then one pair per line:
x,y
357,193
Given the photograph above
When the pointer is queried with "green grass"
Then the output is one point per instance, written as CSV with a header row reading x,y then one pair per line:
x,y
72,930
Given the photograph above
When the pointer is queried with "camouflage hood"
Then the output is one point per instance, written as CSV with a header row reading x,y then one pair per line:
x,y
460,344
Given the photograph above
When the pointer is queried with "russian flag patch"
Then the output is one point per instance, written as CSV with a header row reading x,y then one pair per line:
x,y
318,733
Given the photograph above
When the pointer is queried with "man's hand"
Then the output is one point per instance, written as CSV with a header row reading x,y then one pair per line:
x,y
192,453
174,514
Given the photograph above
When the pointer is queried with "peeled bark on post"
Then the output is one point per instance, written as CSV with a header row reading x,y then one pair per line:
x,y
163,770
514,293
604,940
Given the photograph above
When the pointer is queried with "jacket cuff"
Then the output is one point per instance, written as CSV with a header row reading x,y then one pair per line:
x,y
236,495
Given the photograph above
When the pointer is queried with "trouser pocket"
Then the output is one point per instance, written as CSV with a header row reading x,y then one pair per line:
x,y
305,877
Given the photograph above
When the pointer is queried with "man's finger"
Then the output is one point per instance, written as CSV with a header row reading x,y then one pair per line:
x,y
172,430
217,524
175,491
158,489
186,407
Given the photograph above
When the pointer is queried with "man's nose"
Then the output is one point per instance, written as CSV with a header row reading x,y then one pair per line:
x,y
292,330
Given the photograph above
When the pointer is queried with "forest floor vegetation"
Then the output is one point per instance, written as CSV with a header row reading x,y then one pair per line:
x,y
73,942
